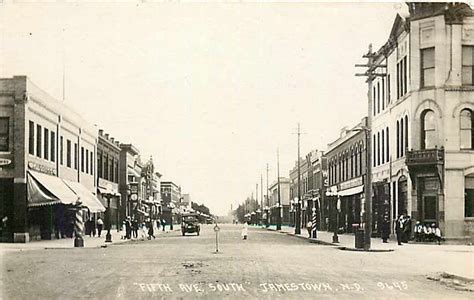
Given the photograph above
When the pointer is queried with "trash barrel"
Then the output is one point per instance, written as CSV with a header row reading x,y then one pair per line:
x,y
359,239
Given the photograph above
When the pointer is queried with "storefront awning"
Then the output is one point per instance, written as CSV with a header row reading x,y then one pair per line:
x,y
106,191
88,199
132,171
352,191
45,189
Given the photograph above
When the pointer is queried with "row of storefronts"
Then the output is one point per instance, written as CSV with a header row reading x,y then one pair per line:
x,y
421,134
53,163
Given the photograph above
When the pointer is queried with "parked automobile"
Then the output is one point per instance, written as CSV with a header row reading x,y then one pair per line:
x,y
190,224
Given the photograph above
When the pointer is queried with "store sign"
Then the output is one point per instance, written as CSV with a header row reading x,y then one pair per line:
x,y
42,169
351,183
5,162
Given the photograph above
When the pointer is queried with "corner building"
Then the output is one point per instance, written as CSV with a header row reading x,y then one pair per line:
x,y
422,129
47,155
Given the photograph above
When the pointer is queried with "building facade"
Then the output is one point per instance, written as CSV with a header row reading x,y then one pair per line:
x,y
131,185
284,187
108,159
48,165
423,118
170,197
346,158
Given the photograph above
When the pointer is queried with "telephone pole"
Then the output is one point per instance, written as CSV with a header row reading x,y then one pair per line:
x,y
267,186
279,199
298,204
371,73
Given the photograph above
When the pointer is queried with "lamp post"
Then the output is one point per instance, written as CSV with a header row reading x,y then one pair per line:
x,y
108,236
367,187
171,213
298,216
335,237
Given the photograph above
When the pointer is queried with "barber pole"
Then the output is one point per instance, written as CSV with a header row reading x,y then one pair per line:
x,y
78,226
313,225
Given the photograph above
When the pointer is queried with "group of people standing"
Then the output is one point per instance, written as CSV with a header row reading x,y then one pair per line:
x,y
92,227
134,229
403,230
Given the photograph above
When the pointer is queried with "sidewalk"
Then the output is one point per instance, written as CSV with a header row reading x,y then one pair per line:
x,y
431,258
66,243
346,241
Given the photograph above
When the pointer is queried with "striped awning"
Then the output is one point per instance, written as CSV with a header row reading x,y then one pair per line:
x,y
46,189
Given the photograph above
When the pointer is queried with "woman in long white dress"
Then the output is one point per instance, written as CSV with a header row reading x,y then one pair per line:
x,y
245,231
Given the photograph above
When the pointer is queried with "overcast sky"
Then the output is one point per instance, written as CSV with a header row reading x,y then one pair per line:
x,y
209,90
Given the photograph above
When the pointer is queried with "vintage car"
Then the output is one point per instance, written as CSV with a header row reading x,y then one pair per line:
x,y
190,224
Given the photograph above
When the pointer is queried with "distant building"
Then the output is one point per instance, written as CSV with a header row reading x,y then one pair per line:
x,y
170,197
284,201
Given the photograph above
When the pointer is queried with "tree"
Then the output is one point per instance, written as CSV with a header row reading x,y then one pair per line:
x,y
201,208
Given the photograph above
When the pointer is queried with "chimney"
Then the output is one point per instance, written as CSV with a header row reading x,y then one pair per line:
x,y
107,136
101,132
112,139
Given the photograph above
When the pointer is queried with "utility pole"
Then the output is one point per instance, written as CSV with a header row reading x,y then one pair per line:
x,y
298,204
371,74
267,186
261,191
279,199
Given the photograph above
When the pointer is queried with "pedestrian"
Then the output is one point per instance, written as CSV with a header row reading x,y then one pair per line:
x,y
308,227
3,227
100,225
124,230
93,227
437,234
385,228
163,224
143,231
245,230
399,229
406,229
158,224
418,232
128,228
150,230
135,228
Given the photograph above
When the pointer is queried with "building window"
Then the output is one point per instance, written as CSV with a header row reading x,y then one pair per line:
x,y
53,146
428,130
61,150
116,171
39,131
467,65
427,67
31,138
4,134
405,76
106,167
398,139
402,148
406,135
378,148
388,89
383,93
76,156
398,80
375,101
111,164
383,146
87,161
378,97
82,159
387,136
46,144
375,151
466,129
99,163
469,197
68,153
91,163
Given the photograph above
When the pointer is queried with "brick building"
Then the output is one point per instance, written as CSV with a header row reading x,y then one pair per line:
x,y
47,157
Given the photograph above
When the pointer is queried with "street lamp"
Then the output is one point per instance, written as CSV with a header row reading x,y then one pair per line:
x,y
171,206
278,227
267,209
297,216
367,187
108,236
335,237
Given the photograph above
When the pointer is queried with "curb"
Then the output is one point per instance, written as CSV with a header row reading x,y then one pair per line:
x,y
321,242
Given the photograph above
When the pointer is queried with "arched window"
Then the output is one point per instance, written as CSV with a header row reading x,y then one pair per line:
x,y
387,136
375,150
428,130
406,134
398,139
361,146
356,160
402,139
466,129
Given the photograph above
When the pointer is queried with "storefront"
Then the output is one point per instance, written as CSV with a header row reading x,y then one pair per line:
x,y
110,198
